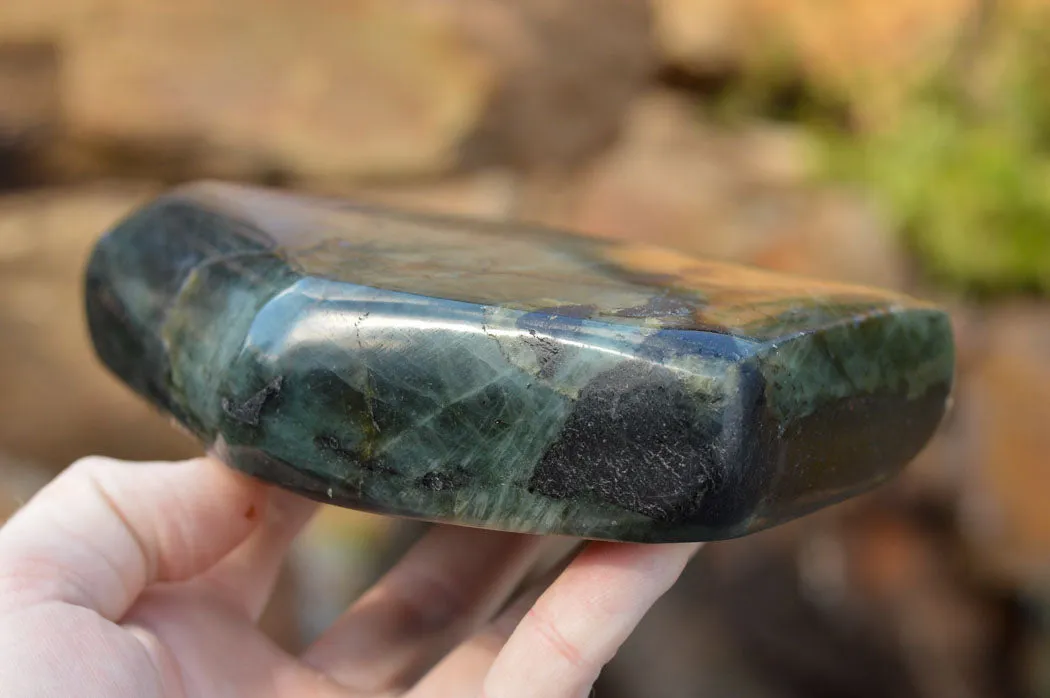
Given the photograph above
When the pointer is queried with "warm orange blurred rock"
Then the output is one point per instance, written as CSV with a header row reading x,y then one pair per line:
x,y
367,87
58,402
29,91
364,87
356,89
568,72
489,194
30,112
908,578
702,35
868,52
743,196
18,482
868,599
1004,509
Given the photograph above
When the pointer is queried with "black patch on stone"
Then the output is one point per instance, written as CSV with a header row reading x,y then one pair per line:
x,y
638,438
249,411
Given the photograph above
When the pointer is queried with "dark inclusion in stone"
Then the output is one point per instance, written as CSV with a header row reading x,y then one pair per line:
x,y
510,377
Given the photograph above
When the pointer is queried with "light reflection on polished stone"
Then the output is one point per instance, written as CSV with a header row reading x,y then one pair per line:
x,y
510,377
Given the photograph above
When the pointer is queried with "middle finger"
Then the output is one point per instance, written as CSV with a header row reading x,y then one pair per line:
x,y
451,581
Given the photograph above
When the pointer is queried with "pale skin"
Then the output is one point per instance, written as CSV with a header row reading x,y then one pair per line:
x,y
145,580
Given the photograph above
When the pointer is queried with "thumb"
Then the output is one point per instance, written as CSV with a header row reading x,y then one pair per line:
x,y
104,530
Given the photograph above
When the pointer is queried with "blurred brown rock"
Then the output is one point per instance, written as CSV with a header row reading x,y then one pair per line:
x,y
367,87
59,403
866,600
1004,509
683,649
704,36
569,71
743,196
867,52
30,112
359,89
906,572
29,91
491,194
19,480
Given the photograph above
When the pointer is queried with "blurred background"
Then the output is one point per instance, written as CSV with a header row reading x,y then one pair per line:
x,y
898,143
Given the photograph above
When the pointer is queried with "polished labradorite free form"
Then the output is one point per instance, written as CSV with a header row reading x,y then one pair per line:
x,y
510,377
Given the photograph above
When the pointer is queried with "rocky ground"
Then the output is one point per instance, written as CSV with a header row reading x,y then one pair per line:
x,y
904,144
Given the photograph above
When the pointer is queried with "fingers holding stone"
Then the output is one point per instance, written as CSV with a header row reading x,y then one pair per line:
x,y
578,624
104,530
462,671
247,576
453,580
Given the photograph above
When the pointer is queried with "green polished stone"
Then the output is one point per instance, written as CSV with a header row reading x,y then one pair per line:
x,y
506,376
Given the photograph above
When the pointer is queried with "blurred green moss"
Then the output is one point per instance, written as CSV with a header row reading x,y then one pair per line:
x,y
967,177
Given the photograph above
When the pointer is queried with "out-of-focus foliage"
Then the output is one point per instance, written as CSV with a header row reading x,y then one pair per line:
x,y
965,170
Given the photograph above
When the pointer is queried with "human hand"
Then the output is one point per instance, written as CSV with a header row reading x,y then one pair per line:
x,y
147,579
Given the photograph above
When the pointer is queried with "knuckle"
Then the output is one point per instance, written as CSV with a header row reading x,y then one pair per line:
x,y
95,470
551,635
92,464
32,579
